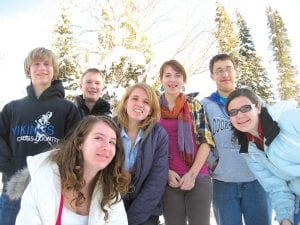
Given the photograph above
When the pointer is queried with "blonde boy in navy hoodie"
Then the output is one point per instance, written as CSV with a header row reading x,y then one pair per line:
x,y
33,124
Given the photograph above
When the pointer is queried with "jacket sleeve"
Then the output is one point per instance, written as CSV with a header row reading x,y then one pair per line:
x,y
28,213
282,199
8,162
154,186
203,131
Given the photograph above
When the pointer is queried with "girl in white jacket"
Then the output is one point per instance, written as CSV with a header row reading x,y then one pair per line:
x,y
80,182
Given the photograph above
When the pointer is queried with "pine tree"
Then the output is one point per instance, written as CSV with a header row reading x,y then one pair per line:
x,y
252,73
226,35
288,86
135,39
65,48
120,37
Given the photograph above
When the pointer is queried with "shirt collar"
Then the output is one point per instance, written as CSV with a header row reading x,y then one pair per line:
x,y
257,141
139,136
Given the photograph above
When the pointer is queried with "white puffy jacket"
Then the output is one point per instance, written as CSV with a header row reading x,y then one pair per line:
x,y
41,199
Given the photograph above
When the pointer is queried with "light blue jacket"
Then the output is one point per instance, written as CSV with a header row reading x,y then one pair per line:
x,y
278,167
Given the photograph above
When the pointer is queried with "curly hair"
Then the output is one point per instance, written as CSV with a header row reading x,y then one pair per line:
x,y
69,159
153,102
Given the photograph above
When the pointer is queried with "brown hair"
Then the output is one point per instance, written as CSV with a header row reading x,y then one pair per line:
x,y
39,54
153,102
239,135
176,66
112,180
244,92
219,57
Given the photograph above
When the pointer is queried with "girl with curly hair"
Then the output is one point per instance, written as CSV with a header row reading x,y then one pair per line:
x,y
81,181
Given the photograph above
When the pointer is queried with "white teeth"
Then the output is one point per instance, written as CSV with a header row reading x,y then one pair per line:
x,y
138,110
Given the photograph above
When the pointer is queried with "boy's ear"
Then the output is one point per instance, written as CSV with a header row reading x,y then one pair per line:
x,y
212,76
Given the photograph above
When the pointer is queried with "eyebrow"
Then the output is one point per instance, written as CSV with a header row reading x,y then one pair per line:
x,y
173,73
140,96
102,134
224,67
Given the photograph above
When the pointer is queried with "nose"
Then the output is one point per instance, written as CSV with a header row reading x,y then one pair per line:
x,y
173,78
140,104
104,145
93,85
42,66
225,73
239,114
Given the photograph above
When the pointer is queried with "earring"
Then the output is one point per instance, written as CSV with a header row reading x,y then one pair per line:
x,y
183,88
162,88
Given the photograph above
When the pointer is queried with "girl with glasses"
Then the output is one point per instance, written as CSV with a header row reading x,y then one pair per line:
x,y
271,149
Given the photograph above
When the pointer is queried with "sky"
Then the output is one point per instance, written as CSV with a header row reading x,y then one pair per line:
x,y
28,24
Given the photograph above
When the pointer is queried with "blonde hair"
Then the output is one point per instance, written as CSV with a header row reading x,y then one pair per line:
x,y
153,102
94,71
39,54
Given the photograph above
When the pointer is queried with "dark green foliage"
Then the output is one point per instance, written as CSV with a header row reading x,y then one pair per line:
x,y
252,73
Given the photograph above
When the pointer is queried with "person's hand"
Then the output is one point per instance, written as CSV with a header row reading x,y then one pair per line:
x,y
286,222
187,182
173,179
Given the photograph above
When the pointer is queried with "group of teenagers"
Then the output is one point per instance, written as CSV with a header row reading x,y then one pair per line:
x,y
172,155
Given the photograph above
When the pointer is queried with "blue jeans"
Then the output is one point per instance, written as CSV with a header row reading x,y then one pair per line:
x,y
235,202
8,210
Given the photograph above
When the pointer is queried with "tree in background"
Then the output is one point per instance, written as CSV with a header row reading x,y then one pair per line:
x,y
252,73
115,36
66,51
288,86
123,46
225,33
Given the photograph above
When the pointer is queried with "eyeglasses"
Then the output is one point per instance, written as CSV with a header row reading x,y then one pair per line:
x,y
243,109
221,71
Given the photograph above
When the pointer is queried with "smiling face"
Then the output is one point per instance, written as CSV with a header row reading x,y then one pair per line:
x,y
172,81
92,85
41,73
247,121
99,147
224,74
137,105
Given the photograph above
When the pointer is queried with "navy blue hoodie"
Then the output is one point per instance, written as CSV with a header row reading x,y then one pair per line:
x,y
32,125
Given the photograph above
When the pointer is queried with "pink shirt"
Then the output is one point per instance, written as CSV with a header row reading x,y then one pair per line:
x,y
176,163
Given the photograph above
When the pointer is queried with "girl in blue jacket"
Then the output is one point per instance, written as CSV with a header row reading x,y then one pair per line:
x,y
271,149
146,154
